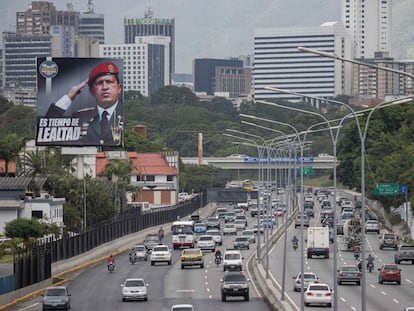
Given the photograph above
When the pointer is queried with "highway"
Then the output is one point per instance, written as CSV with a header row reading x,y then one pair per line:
x,y
379,297
97,289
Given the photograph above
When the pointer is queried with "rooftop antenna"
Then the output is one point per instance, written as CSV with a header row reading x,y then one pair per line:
x,y
69,6
90,6
149,13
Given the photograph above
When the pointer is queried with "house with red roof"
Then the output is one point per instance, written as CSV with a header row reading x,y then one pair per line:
x,y
155,175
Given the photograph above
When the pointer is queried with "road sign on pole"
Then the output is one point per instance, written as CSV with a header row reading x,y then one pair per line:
x,y
307,170
386,189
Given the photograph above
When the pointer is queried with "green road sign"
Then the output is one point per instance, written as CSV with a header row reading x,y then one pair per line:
x,y
307,170
386,189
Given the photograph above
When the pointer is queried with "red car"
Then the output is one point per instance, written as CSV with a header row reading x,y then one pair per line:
x,y
389,273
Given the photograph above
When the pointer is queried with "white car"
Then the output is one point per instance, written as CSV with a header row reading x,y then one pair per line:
x,y
229,229
161,253
216,234
372,225
206,242
308,277
182,307
250,234
319,294
240,224
134,289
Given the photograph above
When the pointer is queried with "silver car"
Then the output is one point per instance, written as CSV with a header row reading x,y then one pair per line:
x,y
308,277
250,234
138,252
56,297
241,242
206,242
216,234
134,289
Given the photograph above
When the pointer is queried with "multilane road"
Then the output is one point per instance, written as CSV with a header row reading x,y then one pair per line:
x,y
379,297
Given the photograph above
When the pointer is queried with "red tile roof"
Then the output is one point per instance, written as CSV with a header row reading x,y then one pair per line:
x,y
11,167
143,163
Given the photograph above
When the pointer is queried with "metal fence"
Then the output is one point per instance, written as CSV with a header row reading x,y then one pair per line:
x,y
34,264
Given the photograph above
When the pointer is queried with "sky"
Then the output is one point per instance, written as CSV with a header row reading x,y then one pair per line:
x,y
204,28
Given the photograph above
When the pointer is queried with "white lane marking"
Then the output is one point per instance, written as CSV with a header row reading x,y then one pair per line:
x,y
208,289
408,281
372,285
395,300
210,297
185,290
384,293
29,307
353,308
343,299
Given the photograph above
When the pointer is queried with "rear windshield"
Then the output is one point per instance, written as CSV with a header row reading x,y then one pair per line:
x,y
407,248
235,278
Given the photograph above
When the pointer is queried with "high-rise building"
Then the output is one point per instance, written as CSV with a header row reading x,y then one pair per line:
x,y
151,26
19,58
204,73
369,23
92,24
233,80
41,16
278,62
146,63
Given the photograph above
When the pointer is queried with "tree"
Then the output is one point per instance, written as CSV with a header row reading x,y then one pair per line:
x,y
10,146
19,120
26,229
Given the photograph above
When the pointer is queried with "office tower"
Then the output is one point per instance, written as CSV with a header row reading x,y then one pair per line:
x,y
92,24
151,26
369,23
146,63
233,80
204,72
279,63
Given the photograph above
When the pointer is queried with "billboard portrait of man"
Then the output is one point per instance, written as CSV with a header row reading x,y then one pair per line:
x,y
68,116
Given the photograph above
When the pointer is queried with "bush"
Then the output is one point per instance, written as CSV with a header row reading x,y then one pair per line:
x,y
395,219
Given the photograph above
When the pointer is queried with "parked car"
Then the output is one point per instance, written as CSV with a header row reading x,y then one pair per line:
x,y
349,273
134,289
234,284
389,273
308,277
319,294
56,297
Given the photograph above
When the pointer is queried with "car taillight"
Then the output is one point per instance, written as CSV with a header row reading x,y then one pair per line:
x,y
297,281
308,293
328,294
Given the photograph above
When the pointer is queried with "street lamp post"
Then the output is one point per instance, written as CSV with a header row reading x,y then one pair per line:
x,y
362,136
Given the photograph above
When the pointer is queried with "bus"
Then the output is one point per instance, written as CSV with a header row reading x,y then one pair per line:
x,y
183,235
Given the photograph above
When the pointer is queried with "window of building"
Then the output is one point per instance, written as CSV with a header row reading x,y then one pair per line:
x,y
150,178
170,177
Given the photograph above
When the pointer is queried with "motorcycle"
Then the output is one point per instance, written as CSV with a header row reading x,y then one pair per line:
x,y
295,245
370,266
133,258
111,267
356,255
218,260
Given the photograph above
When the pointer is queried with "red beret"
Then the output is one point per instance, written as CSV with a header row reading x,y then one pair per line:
x,y
107,68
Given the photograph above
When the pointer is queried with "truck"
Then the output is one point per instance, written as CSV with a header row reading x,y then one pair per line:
x,y
351,232
318,242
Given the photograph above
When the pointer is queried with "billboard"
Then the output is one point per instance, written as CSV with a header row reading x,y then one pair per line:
x,y
80,102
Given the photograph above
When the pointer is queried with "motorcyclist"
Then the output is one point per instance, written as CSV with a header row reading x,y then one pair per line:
x,y
111,260
217,254
357,250
295,241
370,261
